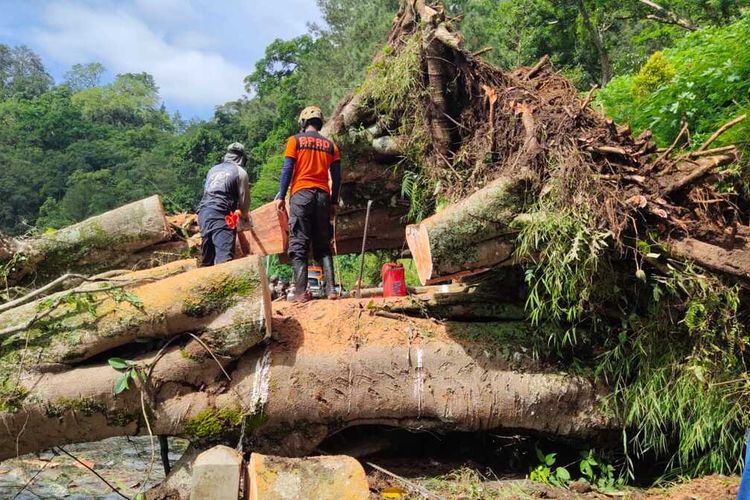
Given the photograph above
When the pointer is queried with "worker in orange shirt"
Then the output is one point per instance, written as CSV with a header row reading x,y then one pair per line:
x,y
310,160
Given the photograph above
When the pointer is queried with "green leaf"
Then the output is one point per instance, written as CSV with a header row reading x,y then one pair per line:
x,y
586,469
550,459
562,474
118,364
121,384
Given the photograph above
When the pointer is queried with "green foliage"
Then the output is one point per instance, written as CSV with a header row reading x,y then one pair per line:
x,y
683,382
22,73
84,76
656,73
522,31
598,473
704,80
566,247
544,472
129,372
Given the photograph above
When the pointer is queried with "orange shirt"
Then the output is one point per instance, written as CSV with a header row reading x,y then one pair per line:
x,y
313,155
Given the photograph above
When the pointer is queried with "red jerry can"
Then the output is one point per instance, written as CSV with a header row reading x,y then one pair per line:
x,y
394,281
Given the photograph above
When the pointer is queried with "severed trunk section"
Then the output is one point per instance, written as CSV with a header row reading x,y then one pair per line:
x,y
469,236
270,232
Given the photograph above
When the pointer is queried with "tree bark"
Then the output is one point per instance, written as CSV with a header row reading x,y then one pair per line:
x,y
98,243
229,304
601,49
317,376
471,235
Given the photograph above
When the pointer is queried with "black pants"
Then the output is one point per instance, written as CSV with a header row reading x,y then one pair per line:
x,y
309,224
217,246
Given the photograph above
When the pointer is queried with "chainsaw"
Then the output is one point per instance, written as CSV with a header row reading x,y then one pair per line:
x,y
233,221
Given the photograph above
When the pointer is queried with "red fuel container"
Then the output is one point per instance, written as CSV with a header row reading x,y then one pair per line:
x,y
394,281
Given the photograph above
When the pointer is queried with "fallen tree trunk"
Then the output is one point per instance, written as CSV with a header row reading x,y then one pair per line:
x,y
734,262
472,235
321,373
98,243
229,303
270,232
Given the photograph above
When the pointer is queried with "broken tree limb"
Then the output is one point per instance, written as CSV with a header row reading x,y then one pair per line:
x,y
458,307
702,166
470,235
312,381
721,130
101,242
734,262
544,61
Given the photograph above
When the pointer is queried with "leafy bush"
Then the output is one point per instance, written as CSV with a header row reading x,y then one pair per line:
x,y
704,80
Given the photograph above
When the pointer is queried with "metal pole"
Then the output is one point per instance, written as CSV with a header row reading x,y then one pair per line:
x,y
336,265
364,243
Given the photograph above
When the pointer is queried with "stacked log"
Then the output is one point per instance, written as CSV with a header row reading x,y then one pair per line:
x,y
99,243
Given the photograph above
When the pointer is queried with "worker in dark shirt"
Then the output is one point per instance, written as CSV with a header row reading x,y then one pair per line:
x,y
227,190
312,166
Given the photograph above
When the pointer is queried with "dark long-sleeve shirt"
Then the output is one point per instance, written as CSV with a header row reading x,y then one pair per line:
x,y
227,189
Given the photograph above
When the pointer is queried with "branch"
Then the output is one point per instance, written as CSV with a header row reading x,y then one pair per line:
x,y
723,129
544,61
669,150
53,306
705,165
670,17
40,291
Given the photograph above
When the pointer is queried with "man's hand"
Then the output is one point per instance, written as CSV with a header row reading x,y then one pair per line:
x,y
280,205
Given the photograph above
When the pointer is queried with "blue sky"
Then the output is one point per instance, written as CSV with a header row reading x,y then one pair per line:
x,y
198,51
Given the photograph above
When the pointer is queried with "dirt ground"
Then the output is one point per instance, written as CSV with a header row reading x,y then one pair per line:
x,y
468,484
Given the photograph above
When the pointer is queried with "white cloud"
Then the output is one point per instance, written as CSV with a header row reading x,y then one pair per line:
x,y
197,50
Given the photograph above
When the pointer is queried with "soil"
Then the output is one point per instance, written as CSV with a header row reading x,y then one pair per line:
x,y
458,482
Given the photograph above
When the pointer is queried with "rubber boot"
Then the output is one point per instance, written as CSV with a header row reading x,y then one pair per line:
x,y
327,264
300,281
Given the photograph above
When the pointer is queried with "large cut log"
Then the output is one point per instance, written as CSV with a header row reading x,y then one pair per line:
x,y
230,303
98,243
270,232
471,235
323,371
386,230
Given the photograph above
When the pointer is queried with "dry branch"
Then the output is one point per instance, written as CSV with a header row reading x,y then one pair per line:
x,y
668,16
721,130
